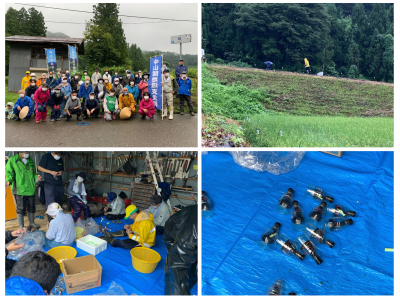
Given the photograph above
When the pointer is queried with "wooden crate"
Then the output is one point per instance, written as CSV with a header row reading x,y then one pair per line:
x,y
141,195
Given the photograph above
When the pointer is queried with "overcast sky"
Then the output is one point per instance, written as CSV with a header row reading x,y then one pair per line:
x,y
152,36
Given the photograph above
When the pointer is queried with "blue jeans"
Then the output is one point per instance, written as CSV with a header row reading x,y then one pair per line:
x,y
51,243
62,105
55,114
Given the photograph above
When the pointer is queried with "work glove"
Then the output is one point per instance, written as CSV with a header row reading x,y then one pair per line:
x,y
77,195
39,108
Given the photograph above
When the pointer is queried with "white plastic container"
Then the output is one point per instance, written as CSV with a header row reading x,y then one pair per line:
x,y
82,243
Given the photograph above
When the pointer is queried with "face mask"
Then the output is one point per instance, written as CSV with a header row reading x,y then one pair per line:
x,y
128,76
85,74
116,83
101,82
87,82
120,78
184,76
73,97
111,94
125,93
57,157
106,73
116,74
145,77
58,74
65,81
164,66
67,72
132,83
21,96
106,81
57,91
79,179
33,84
44,89
76,77
92,98
26,156
136,76
51,76
146,97
154,207
166,75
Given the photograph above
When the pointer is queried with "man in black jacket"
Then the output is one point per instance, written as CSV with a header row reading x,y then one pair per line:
x,y
74,82
11,235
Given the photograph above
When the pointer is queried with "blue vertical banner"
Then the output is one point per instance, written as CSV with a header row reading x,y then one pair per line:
x,y
51,60
73,60
155,81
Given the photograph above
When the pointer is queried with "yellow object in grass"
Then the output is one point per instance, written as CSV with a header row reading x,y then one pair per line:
x,y
145,260
62,253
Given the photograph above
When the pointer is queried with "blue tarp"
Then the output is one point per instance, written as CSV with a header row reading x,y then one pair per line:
x,y
243,204
117,266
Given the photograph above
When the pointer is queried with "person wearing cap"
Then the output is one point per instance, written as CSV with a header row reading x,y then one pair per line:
x,y
140,74
141,233
51,81
85,74
164,66
115,210
121,79
91,106
33,76
116,75
147,106
52,165
22,102
179,69
31,89
74,106
160,211
107,75
21,175
85,90
117,87
76,189
74,81
100,91
127,78
66,91
169,87
144,84
96,76
133,89
110,106
10,236
25,80
62,78
185,86
41,98
127,100
61,229
55,102
10,111
41,80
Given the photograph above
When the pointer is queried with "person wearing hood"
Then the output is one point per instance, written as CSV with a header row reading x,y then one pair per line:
x,y
42,80
110,106
96,76
91,106
61,230
23,101
107,75
100,91
74,81
11,235
117,87
142,233
41,98
147,106
66,91
169,88
144,84
78,202
307,65
21,175
10,110
51,81
85,89
133,89
127,100
35,273
25,80
55,102
73,106
115,209
160,211
127,79
116,75
185,86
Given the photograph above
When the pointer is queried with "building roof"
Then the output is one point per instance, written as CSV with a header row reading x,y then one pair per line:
x,y
41,39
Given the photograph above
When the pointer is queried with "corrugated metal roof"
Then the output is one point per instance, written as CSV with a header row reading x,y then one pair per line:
x,y
41,39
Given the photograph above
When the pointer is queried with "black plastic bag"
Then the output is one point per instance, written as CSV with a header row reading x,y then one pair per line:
x,y
180,239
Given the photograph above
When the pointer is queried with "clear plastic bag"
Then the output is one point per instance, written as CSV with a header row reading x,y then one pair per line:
x,y
32,242
92,207
114,290
274,162
90,226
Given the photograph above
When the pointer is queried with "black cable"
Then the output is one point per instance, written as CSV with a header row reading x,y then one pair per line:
x,y
123,23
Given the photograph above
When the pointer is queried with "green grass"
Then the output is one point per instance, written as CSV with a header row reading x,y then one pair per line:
x,y
318,131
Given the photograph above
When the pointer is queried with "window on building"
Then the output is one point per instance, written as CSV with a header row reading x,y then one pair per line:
x,y
39,53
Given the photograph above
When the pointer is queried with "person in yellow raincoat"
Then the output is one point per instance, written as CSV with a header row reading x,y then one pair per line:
x,y
307,65
25,80
127,100
107,83
142,233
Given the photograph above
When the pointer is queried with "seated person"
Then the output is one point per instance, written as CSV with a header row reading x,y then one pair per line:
x,y
9,111
141,233
23,101
55,101
35,273
114,210
31,89
127,100
91,106
147,106
73,106
110,106
11,235
160,212
61,230
76,189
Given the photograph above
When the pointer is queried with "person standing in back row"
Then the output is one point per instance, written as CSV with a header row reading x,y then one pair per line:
x,y
180,69
52,165
185,86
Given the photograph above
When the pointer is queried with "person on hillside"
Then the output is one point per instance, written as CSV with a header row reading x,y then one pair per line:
x,y
76,189
100,91
133,89
116,75
85,89
117,87
41,98
307,65
23,101
107,84
142,233
110,106
73,106
268,65
91,106
66,91
127,100
74,81
42,80
51,81
179,69
115,210
25,80
85,74
185,86
55,102
159,209
147,106
144,84
169,87
96,76
106,75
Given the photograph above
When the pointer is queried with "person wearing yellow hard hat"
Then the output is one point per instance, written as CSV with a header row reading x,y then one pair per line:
x,y
141,233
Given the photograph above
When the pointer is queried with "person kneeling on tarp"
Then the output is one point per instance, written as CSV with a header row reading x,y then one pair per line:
x,y
141,233
76,189
159,210
35,273
61,230
114,210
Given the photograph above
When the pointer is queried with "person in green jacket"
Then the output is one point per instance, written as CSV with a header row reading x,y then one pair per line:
x,y
21,174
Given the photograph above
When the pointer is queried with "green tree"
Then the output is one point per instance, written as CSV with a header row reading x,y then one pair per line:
x,y
353,55
388,58
35,23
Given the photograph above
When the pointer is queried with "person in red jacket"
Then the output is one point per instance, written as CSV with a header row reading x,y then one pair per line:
x,y
41,98
147,106
144,84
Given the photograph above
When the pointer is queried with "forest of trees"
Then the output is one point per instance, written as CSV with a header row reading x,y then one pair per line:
x,y
341,39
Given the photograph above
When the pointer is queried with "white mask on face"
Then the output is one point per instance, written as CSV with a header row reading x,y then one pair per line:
x,y
21,96
116,82
76,77
166,75
79,179
57,157
184,76
73,97
26,156
132,83
44,89
67,72
145,77
85,74
106,73
128,76
92,98
57,91
33,84
87,82
136,76
111,94
33,78
65,81
146,97
106,81
164,66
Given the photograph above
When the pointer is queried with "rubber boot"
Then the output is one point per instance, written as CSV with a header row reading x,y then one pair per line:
x,y
165,113
20,218
31,217
109,240
120,233
171,111
78,117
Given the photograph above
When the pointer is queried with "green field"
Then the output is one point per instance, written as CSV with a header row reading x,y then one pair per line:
x,y
310,111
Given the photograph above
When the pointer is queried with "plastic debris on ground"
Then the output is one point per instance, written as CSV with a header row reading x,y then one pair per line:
x,y
59,288
244,204
32,242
